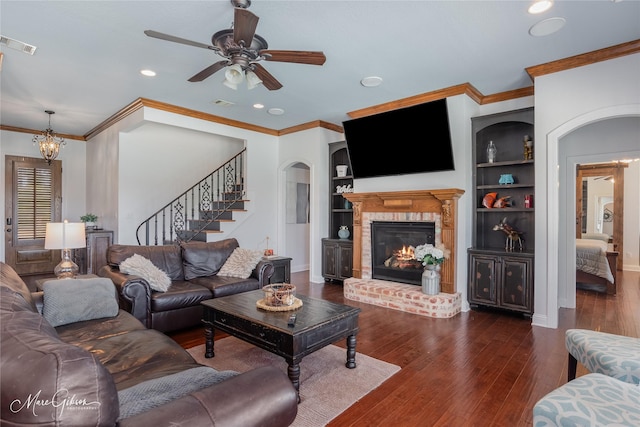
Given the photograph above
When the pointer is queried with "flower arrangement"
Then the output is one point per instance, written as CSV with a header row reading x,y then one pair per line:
x,y
429,254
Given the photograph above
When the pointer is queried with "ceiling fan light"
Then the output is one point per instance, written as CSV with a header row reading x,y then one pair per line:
x,y
229,84
252,80
234,74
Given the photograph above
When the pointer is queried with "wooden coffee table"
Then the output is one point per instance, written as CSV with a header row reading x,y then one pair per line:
x,y
318,324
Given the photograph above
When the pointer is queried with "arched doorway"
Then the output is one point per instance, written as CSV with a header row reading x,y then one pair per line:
x,y
296,218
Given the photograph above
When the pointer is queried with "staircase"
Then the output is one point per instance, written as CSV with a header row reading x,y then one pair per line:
x,y
198,213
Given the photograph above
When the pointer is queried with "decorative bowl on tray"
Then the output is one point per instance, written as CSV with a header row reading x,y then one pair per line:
x,y
279,294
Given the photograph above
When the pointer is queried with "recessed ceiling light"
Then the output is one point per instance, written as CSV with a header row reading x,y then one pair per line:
x,y
148,73
275,111
371,81
546,27
258,106
540,6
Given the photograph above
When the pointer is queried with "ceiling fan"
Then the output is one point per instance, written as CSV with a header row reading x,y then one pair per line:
x,y
243,49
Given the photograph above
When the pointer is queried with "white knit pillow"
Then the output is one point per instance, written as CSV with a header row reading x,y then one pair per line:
x,y
141,266
240,263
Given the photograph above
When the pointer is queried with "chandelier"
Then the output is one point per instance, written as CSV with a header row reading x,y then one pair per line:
x,y
49,142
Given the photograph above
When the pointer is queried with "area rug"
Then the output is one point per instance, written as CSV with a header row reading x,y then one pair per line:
x,y
327,387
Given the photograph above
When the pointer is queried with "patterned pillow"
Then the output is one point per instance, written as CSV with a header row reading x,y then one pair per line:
x,y
141,266
240,263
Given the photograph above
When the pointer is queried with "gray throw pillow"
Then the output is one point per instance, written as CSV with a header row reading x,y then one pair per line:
x,y
76,300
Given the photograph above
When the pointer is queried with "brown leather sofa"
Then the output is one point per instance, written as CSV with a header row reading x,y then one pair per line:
x,y
83,373
192,268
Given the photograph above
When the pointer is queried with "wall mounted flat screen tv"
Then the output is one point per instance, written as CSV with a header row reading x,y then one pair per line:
x,y
409,140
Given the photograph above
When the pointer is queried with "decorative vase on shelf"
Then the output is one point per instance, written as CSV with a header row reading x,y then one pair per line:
x,y
343,232
431,279
491,152
341,170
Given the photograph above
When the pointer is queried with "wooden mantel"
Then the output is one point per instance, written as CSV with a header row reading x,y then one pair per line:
x,y
443,202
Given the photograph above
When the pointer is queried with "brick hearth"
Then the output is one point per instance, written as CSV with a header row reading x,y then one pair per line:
x,y
399,296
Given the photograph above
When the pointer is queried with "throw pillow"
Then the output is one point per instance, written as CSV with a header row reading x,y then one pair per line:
x,y
153,393
75,300
141,266
240,263
202,259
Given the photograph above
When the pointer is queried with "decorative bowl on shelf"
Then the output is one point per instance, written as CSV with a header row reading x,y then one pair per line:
x,y
279,294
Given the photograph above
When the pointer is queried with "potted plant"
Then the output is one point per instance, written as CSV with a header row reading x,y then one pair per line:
x,y
89,220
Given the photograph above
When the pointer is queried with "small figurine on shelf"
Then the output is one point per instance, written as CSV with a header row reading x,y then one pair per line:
x,y
528,148
513,235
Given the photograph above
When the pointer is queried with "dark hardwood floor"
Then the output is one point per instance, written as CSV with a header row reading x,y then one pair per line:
x,y
480,368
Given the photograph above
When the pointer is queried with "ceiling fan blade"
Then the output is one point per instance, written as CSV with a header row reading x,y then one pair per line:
x,y
268,80
297,56
175,39
244,26
209,71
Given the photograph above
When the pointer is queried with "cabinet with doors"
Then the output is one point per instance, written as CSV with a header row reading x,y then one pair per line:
x,y
92,257
337,259
337,252
501,280
500,269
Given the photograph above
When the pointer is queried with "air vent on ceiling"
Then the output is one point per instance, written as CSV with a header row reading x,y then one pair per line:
x,y
223,103
17,45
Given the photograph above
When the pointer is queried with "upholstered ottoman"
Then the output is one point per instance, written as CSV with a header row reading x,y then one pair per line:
x,y
590,400
614,355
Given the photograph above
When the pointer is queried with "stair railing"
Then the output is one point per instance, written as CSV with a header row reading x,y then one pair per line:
x,y
187,216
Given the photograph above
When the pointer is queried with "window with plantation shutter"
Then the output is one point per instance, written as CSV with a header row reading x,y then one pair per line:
x,y
34,193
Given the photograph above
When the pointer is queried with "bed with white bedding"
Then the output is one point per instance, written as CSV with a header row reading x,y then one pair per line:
x,y
595,264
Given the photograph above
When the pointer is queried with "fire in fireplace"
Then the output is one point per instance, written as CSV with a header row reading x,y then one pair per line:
x,y
392,244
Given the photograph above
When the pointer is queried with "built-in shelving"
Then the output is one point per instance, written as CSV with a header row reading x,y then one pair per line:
x,y
336,252
498,276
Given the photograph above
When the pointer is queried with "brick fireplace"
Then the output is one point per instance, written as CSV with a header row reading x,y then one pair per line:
x,y
439,206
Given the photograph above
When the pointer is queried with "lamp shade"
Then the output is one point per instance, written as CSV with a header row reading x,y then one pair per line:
x,y
252,80
65,235
234,74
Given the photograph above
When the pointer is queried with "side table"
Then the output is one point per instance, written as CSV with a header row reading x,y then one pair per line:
x,y
282,269
40,282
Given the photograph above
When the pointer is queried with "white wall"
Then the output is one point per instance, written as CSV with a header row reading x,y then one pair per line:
x,y
297,235
311,148
197,142
72,156
564,102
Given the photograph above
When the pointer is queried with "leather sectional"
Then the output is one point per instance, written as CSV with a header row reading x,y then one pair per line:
x,y
192,268
91,372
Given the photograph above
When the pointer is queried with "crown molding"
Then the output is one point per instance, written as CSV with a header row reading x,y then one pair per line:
x,y
39,131
600,55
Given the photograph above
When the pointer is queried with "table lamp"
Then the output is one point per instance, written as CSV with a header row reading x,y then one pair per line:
x,y
65,236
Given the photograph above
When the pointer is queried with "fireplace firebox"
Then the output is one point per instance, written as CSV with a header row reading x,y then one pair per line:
x,y
392,244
